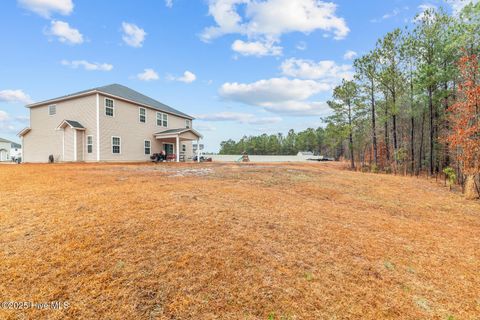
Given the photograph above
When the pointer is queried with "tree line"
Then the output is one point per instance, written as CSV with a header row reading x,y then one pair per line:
x,y
412,107
414,103
319,141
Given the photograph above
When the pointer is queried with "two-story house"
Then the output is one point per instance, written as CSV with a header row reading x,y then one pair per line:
x,y
9,150
110,123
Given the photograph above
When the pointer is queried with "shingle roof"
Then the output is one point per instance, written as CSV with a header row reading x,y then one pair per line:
x,y
13,144
179,130
75,124
125,93
172,131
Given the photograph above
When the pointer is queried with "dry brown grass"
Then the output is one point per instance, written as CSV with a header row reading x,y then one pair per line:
x,y
218,241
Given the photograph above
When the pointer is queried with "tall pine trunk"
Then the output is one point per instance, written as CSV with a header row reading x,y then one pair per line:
x,y
421,151
374,130
350,136
412,129
430,106
387,138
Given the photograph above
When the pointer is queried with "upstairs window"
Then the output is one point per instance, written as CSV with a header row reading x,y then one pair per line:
x,y
188,123
52,110
109,107
116,143
142,115
147,146
162,119
89,144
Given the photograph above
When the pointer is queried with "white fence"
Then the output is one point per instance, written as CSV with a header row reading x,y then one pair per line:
x,y
233,158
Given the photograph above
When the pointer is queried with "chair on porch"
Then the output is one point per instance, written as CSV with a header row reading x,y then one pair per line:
x,y
171,157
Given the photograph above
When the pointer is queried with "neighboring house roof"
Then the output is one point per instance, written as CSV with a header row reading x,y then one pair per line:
x,y
119,91
12,144
305,153
177,131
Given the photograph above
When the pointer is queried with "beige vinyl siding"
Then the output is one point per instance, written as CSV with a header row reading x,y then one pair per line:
x,y
80,145
126,125
44,140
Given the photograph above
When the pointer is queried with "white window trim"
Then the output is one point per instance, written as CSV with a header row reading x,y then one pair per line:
x,y
161,119
189,122
52,105
105,107
184,147
120,145
139,115
150,147
89,144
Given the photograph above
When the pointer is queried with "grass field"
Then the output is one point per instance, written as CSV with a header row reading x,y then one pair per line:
x,y
228,241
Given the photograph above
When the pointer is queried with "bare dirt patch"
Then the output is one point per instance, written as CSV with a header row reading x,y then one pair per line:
x,y
235,241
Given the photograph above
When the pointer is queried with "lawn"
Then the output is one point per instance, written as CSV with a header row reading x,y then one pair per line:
x,y
232,241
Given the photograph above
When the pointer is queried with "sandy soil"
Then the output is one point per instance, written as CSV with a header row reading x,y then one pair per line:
x,y
233,241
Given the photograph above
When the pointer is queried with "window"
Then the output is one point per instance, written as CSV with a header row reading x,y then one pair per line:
x,y
109,107
188,123
89,144
147,146
116,145
142,115
52,110
184,148
162,119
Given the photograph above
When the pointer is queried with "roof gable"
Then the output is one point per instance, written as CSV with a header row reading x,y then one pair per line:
x,y
122,92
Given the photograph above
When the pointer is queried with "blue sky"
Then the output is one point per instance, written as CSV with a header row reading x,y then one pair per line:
x,y
240,66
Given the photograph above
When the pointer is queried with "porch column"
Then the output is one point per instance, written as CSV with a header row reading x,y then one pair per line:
x,y
198,150
178,148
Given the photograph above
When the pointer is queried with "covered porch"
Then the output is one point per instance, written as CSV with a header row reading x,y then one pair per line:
x,y
173,138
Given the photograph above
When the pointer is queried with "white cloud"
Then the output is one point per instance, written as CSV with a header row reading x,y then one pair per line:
x,y
458,5
271,90
245,118
395,12
188,77
169,3
15,96
266,21
256,48
299,108
8,124
302,45
423,8
46,8
133,35
3,116
326,71
64,32
148,75
349,55
281,95
202,126
90,66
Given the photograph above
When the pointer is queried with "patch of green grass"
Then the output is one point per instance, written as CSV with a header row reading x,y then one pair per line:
x,y
308,276
389,265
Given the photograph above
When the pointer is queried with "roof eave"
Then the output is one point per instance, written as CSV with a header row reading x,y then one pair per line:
x,y
24,131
